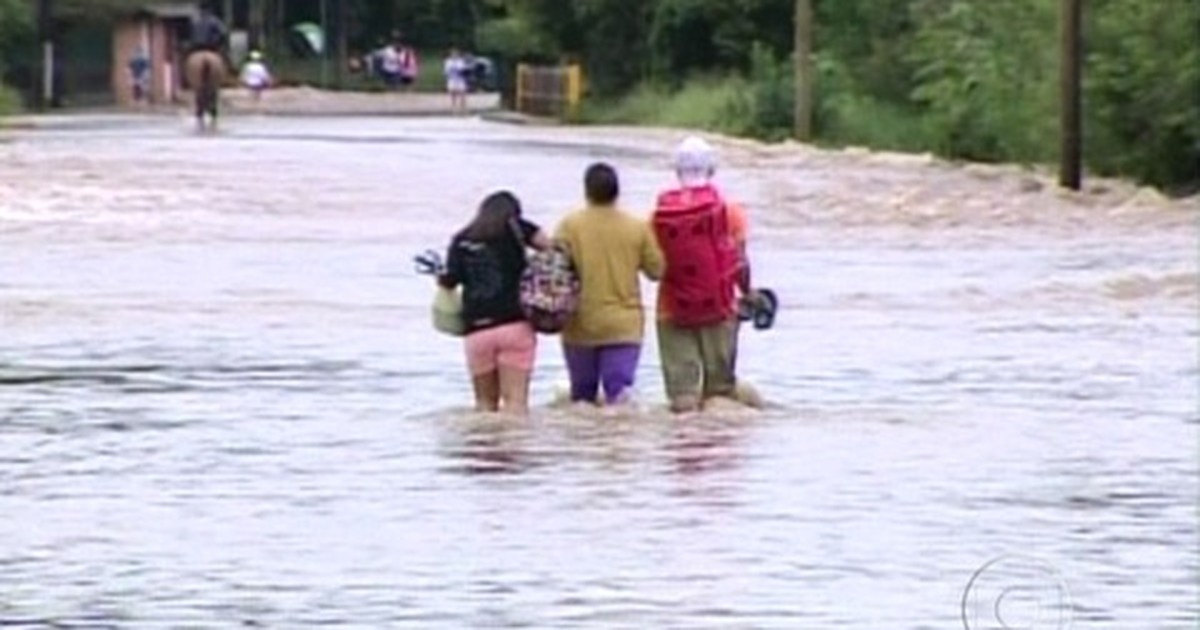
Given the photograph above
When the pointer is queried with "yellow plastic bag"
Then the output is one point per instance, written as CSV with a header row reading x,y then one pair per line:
x,y
447,312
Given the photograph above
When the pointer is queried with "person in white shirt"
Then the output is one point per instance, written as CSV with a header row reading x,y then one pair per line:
x,y
390,65
255,75
456,69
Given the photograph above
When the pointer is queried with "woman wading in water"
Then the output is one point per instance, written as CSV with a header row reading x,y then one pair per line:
x,y
486,259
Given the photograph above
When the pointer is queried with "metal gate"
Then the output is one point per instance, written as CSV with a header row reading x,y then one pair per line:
x,y
549,90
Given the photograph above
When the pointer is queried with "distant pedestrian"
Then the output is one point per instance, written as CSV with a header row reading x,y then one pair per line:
x,y
408,68
139,76
456,70
255,75
389,65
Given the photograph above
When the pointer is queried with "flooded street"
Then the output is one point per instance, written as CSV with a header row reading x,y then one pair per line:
x,y
222,403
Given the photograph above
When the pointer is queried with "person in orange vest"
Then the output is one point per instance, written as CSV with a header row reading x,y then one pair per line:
x,y
703,241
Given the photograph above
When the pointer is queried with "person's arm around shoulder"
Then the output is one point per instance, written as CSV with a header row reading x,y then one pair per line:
x,y
564,234
534,236
652,264
541,241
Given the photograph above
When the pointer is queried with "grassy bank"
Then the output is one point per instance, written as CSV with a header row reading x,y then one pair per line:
x,y
1000,122
734,105
10,101
759,104
313,72
704,103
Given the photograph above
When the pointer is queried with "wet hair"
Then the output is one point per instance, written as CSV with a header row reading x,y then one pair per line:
x,y
600,184
494,218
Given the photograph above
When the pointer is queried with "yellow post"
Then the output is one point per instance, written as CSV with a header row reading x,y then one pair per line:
x,y
574,87
520,97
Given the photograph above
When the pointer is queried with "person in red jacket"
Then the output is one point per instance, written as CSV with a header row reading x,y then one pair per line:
x,y
703,241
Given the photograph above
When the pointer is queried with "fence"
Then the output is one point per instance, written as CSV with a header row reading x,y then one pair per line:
x,y
549,90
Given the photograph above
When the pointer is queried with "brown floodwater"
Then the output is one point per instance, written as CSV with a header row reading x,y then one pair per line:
x,y
222,403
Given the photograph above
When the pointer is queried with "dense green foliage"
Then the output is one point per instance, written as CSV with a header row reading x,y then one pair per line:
x,y
964,78
975,79
967,79
16,23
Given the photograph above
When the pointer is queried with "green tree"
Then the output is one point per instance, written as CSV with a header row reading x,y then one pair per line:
x,y
16,46
1142,81
987,75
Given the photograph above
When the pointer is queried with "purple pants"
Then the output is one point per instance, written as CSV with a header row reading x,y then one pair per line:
x,y
591,367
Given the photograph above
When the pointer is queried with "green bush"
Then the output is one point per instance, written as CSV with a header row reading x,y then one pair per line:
x,y
702,103
10,101
511,37
292,71
847,114
987,79
16,41
764,108
1142,82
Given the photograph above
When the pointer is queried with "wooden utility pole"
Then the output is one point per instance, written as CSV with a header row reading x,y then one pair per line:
x,y
1070,167
44,87
324,44
804,71
343,38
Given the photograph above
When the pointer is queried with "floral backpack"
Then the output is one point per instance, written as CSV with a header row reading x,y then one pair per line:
x,y
549,290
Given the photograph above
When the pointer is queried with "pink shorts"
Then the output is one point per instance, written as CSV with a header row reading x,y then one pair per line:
x,y
511,345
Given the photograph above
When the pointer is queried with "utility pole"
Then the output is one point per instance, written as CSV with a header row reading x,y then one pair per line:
x,y
324,45
1071,155
803,114
44,91
343,37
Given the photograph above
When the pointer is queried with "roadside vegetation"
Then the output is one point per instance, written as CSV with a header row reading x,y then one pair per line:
x,y
16,35
961,79
965,79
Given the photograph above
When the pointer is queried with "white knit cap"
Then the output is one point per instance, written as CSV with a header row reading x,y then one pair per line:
x,y
695,161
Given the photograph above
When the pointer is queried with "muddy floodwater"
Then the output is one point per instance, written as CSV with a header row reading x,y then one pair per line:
x,y
222,404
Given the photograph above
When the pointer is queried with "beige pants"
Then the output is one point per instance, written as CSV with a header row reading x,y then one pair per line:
x,y
697,363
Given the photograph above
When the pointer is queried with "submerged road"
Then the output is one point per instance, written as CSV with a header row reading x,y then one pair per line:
x,y
222,404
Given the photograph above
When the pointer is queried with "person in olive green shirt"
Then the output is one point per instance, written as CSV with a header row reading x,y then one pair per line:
x,y
609,247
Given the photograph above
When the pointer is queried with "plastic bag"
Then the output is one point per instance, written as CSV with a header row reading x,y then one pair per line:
x,y
447,312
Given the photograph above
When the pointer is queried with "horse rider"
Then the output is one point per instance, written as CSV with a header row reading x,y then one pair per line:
x,y
207,64
209,32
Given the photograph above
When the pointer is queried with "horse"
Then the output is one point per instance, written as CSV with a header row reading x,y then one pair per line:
x,y
205,73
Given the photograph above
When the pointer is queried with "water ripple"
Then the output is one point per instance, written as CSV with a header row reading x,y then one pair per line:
x,y
221,404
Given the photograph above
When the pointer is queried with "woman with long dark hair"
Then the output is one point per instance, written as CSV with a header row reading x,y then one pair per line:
x,y
486,259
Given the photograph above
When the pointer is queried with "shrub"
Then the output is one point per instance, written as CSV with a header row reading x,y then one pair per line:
x,y
10,101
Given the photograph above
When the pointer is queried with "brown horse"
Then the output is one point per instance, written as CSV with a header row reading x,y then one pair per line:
x,y
205,74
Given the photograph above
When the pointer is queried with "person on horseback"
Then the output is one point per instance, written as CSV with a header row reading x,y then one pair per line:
x,y
206,62
209,31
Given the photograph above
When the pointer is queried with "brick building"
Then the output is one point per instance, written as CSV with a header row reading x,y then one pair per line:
x,y
162,31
